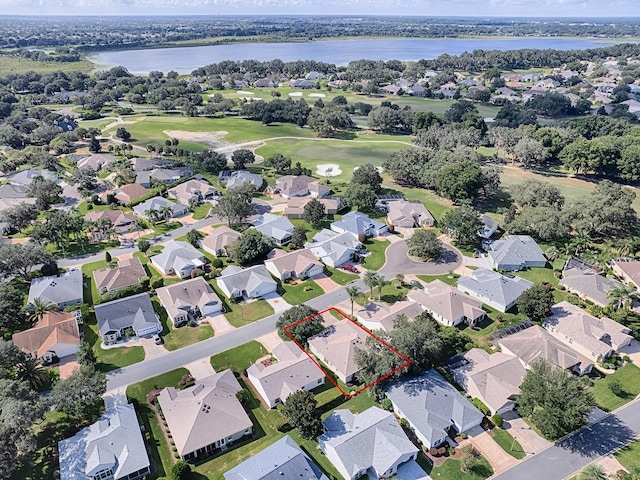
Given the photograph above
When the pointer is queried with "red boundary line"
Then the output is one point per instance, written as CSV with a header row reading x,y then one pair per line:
x,y
347,395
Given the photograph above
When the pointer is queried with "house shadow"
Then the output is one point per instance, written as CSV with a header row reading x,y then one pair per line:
x,y
599,439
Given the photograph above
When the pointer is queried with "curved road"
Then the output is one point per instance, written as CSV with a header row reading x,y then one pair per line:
x,y
398,261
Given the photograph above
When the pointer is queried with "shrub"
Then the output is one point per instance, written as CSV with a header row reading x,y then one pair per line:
x,y
243,396
616,388
480,406
122,292
497,420
156,282
216,263
463,435
387,405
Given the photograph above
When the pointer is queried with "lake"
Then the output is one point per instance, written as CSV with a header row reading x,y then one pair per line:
x,y
340,52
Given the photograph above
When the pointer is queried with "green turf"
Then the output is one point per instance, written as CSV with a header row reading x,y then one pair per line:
x,y
507,442
175,338
18,65
239,358
629,378
629,456
245,313
376,260
449,279
340,276
91,292
450,470
301,292
112,358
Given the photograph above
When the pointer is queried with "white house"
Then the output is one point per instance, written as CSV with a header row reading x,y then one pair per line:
x,y
189,300
276,227
448,305
178,258
359,225
64,290
498,291
333,249
299,264
251,282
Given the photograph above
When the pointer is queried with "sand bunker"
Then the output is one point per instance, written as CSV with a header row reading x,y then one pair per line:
x,y
239,92
208,138
379,169
251,99
328,170
295,94
318,95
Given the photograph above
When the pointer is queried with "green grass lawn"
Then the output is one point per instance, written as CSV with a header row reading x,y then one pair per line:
x,y
239,358
245,313
296,294
628,376
340,276
376,260
449,279
175,338
201,211
137,394
391,293
506,441
629,456
91,292
112,358
450,470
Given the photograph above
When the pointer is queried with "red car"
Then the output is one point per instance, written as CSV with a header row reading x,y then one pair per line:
x,y
349,268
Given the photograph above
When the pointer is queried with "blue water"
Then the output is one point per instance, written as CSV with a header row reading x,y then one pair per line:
x,y
340,52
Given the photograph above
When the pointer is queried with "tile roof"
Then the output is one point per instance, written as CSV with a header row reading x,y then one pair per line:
x,y
53,328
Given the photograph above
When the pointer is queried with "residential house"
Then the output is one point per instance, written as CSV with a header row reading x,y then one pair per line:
x,y
26,176
493,378
295,206
206,417
498,291
448,305
56,334
489,227
218,239
193,192
290,186
237,178
291,371
121,222
178,258
417,90
314,76
333,249
336,346
64,290
251,282
406,214
338,84
281,460
535,343
628,269
516,252
130,192
359,225
147,178
189,300
390,90
135,312
11,196
302,84
265,83
432,406
143,164
548,83
532,92
113,448
299,264
96,162
276,227
595,338
369,445
158,204
586,282
129,271
379,316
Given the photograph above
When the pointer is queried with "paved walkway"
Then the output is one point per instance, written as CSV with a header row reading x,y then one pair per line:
x,y
270,340
487,446
610,464
200,368
519,429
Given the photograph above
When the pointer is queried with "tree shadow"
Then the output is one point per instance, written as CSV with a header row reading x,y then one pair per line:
x,y
598,439
497,200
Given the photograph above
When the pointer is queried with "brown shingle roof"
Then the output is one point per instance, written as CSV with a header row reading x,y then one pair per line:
x,y
129,272
53,328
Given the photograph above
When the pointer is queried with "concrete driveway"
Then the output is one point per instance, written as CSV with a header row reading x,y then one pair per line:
x,y
278,303
632,351
398,261
151,350
487,446
519,429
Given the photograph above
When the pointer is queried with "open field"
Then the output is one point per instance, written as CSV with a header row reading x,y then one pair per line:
x,y
17,65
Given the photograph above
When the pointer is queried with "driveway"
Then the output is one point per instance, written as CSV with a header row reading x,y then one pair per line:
x,y
398,261
487,446
278,303
326,283
219,323
519,429
200,368
151,350
632,351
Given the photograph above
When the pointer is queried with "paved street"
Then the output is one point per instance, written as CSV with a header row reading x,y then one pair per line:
x,y
398,261
574,452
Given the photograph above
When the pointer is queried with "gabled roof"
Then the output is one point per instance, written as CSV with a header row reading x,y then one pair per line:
x,y
156,203
590,284
129,272
26,176
293,371
446,301
296,261
96,161
630,267
283,460
357,223
237,279
338,344
135,311
431,403
130,192
496,377
185,191
535,343
295,205
58,290
600,335
371,439
400,210
219,238
116,217
183,296
115,440
494,286
516,250
13,191
209,411
237,178
52,329
274,226
292,184
162,174
331,244
178,254
385,315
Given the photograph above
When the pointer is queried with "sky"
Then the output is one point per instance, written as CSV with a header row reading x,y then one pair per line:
x,y
452,8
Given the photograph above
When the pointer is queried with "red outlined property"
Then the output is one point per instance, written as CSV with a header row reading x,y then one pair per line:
x,y
406,363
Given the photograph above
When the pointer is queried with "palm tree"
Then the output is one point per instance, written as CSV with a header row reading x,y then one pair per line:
x,y
353,293
166,211
370,280
31,371
552,253
381,282
140,224
593,472
39,308
152,214
621,297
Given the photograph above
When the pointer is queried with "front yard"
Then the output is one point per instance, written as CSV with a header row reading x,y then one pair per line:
x,y
242,314
175,338
628,377
340,276
629,456
239,358
112,358
301,292
450,470
376,260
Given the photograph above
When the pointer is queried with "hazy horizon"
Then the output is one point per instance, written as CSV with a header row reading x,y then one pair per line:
x,y
410,8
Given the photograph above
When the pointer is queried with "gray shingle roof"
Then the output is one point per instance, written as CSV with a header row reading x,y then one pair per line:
x,y
357,223
176,254
135,311
590,284
26,176
284,460
430,403
494,286
274,226
518,250
66,288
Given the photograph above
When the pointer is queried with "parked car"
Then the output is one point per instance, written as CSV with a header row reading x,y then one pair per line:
x,y
349,268
416,284
157,339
